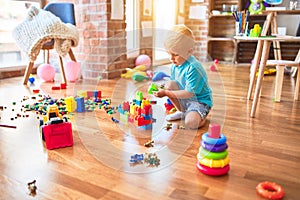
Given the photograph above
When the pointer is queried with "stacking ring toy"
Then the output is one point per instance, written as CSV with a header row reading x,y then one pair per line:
x,y
212,155
213,171
270,190
213,147
209,140
211,162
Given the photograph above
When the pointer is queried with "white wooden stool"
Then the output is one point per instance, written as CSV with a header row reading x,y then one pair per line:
x,y
280,64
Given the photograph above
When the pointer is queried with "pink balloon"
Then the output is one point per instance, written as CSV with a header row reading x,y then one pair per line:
x,y
72,71
46,72
143,60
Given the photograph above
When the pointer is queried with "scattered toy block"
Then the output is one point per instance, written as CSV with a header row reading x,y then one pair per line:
x,y
55,87
63,86
149,143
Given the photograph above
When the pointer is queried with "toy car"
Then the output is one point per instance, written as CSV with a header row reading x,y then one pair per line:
x,y
56,130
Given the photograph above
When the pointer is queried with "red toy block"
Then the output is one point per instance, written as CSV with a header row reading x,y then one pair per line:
x,y
55,87
130,118
90,94
168,106
138,111
99,94
147,110
58,135
214,130
140,121
63,85
126,106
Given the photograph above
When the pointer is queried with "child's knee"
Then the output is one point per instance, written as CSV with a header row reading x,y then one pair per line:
x,y
194,124
191,124
194,121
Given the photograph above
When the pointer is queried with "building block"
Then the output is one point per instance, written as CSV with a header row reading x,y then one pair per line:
x,y
146,127
55,88
132,109
124,118
63,85
214,130
137,110
168,107
140,121
146,117
145,102
70,104
126,106
90,94
130,118
121,110
138,102
147,110
80,104
152,88
97,94
139,96
82,93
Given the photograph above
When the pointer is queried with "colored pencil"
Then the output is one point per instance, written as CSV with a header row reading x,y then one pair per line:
x,y
247,22
7,126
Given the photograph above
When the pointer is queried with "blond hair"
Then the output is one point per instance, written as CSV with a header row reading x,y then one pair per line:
x,y
180,38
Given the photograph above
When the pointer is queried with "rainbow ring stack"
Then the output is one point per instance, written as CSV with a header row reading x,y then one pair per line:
x,y
212,158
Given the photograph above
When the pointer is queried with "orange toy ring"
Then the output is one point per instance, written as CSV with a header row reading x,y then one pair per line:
x,y
270,190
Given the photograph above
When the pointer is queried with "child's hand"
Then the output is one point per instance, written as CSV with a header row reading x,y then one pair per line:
x,y
160,93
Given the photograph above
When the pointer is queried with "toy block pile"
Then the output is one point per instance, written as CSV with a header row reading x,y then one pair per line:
x,y
170,108
138,112
212,158
149,158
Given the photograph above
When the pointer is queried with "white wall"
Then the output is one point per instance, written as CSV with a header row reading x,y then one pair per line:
x,y
291,22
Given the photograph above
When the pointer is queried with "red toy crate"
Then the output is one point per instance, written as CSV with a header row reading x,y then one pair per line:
x,y
58,135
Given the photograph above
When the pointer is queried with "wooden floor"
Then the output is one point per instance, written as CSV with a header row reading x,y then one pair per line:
x,y
264,148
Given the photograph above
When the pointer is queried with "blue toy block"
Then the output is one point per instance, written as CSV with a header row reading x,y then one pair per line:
x,y
120,110
97,94
147,117
138,102
146,127
80,104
